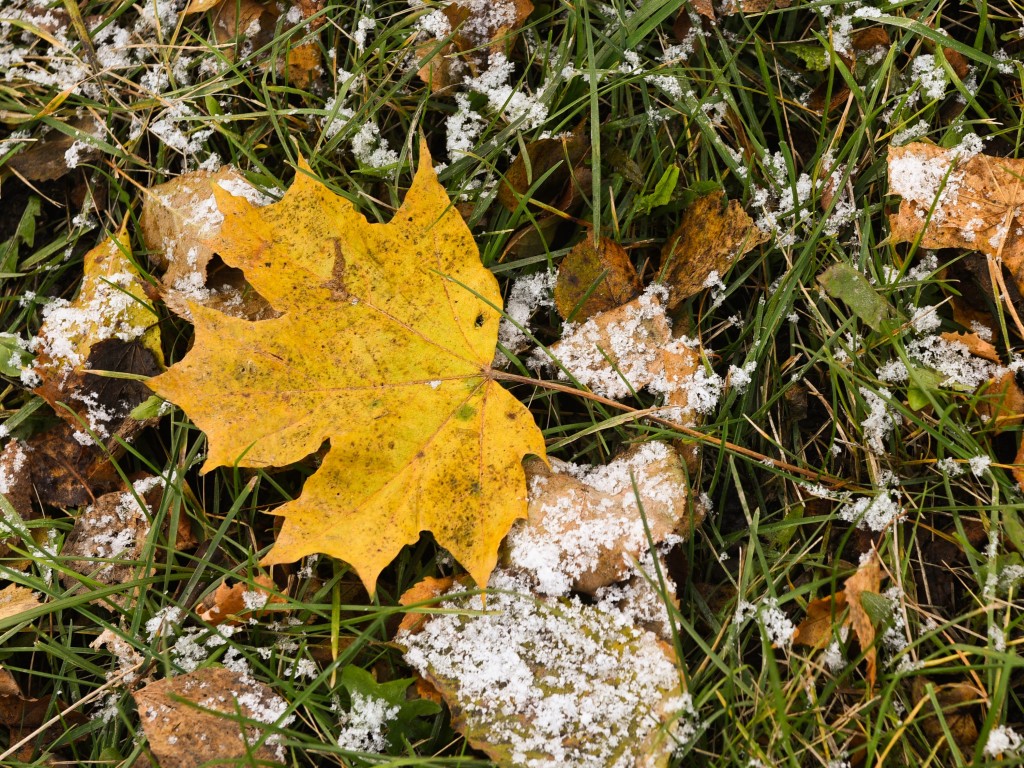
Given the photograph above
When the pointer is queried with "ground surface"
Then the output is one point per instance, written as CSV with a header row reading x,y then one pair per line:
x,y
905,441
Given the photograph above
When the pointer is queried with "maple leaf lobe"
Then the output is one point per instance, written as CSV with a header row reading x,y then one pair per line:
x,y
383,348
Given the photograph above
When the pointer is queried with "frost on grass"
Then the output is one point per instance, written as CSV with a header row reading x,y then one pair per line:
x,y
772,620
872,512
880,421
787,205
551,681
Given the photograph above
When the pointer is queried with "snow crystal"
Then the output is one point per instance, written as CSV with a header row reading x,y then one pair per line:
x,y
926,68
740,378
528,294
372,149
1003,740
949,467
980,465
880,421
163,623
364,726
910,134
525,111
775,623
872,512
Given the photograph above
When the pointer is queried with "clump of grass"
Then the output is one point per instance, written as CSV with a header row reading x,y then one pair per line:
x,y
731,104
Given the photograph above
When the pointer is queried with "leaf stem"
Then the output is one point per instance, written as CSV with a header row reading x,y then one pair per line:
x,y
648,413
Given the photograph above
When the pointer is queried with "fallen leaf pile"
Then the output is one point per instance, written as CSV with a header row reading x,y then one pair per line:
x,y
383,347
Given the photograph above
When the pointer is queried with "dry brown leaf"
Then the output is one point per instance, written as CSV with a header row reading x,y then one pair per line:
x,y
552,160
977,202
625,349
15,600
179,219
585,530
108,539
868,578
816,630
420,592
975,345
956,701
822,615
957,62
730,7
8,685
56,469
604,264
255,21
198,6
477,32
709,239
872,37
46,160
181,735
235,604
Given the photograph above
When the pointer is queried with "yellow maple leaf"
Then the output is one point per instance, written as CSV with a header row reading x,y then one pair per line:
x,y
383,347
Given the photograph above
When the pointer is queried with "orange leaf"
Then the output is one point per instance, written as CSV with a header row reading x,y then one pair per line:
x,y
816,629
868,578
236,603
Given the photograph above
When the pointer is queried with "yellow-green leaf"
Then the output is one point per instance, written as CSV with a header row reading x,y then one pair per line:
x,y
382,348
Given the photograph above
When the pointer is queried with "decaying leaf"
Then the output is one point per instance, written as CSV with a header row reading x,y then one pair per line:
x,y
110,326
959,198
255,23
816,629
618,352
383,347
15,600
55,469
708,240
213,718
565,667
477,29
52,157
957,703
595,277
239,602
22,715
867,579
108,540
586,529
544,170
822,615
179,219
976,345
